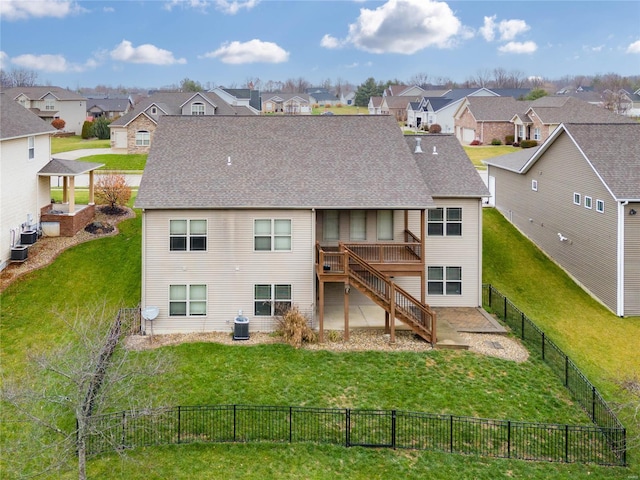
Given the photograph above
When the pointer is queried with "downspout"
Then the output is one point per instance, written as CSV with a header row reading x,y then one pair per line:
x,y
314,292
620,261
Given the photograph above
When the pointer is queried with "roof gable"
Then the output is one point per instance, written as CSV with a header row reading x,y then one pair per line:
x,y
17,121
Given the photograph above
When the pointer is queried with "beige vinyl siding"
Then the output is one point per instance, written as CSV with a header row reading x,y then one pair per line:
x,y
589,253
230,268
632,260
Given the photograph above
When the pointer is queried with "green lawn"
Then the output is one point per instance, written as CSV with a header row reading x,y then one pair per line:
x,y
343,110
481,152
64,144
108,270
119,162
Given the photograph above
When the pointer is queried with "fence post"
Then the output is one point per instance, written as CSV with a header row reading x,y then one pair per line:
x,y
505,309
393,429
566,444
234,423
290,424
542,345
179,411
124,418
490,290
451,433
566,371
508,438
347,429
593,404
522,325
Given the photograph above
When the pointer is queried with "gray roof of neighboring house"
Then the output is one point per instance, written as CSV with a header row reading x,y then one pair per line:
x,y
556,110
17,121
495,109
35,93
108,104
516,93
606,146
284,96
69,168
171,102
438,103
449,173
456,94
399,101
339,161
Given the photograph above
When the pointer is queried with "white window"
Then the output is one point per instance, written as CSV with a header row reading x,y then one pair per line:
x,y
49,104
588,202
187,300
385,224
268,106
600,206
331,225
577,199
444,280
520,131
442,221
534,185
31,147
270,300
271,234
197,108
536,133
358,225
142,138
187,235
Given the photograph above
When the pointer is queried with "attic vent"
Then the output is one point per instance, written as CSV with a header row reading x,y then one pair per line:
x,y
228,160
435,152
418,148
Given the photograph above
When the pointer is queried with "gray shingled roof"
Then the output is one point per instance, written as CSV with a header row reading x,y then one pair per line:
x,y
17,121
608,147
556,110
450,173
495,109
340,161
35,93
69,168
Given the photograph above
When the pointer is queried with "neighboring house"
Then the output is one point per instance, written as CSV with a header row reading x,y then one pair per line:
x,y
577,197
622,102
286,103
133,132
397,106
375,106
52,102
25,149
348,99
545,114
486,118
240,97
403,91
259,225
109,108
322,96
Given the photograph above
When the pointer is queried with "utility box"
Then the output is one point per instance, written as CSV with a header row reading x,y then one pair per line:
x,y
28,237
241,327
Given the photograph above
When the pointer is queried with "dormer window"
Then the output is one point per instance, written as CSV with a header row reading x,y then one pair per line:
x,y
154,111
49,104
197,108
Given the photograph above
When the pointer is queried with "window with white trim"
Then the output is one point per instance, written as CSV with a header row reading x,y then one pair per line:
x,y
520,132
49,104
197,108
536,133
441,221
154,110
444,280
577,199
187,235
272,234
187,300
331,225
270,300
143,138
358,225
588,202
600,206
31,147
385,225
534,185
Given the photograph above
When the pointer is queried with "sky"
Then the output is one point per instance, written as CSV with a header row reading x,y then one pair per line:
x,y
158,43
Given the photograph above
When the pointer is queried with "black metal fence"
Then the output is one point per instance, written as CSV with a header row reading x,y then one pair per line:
x,y
369,428
573,379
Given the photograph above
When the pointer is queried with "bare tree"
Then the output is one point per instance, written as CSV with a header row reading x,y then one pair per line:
x,y
517,79
62,389
482,78
253,83
500,78
18,77
420,79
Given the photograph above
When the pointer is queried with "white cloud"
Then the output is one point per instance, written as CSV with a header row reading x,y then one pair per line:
x,y
518,47
108,9
52,63
330,42
21,9
195,4
404,26
253,51
147,53
634,47
233,7
489,28
510,29
230,7
4,60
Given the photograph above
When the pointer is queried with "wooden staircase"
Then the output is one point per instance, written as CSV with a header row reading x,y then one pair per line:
x,y
392,298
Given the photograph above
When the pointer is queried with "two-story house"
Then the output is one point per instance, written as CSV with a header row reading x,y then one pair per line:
x,y
263,213
577,196
52,102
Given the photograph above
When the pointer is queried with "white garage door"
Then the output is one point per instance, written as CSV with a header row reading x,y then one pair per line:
x,y
468,135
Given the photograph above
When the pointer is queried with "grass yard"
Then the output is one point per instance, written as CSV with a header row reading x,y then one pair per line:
x,y
64,144
481,152
133,163
343,110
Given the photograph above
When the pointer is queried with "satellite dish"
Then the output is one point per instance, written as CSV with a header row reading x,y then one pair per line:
x,y
150,313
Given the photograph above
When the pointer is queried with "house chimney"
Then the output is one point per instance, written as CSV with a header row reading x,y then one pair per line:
x,y
418,148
